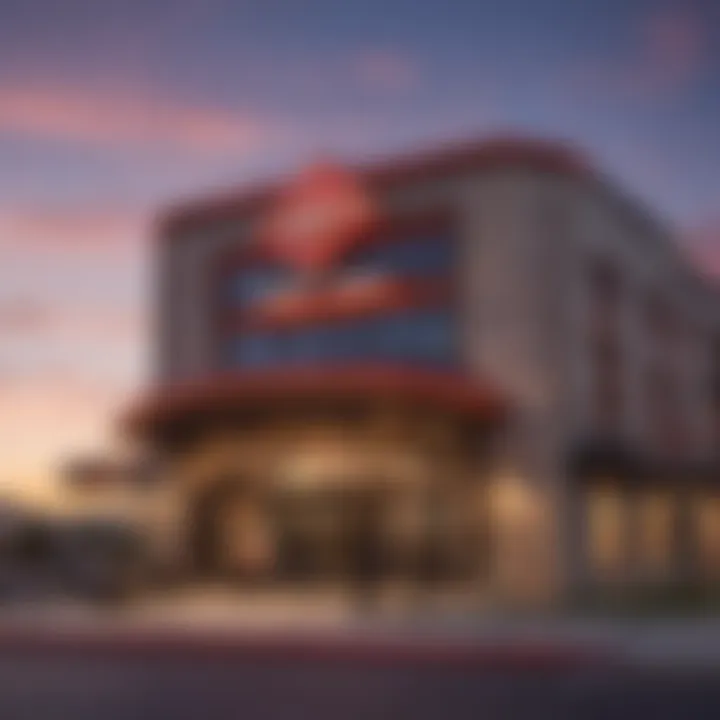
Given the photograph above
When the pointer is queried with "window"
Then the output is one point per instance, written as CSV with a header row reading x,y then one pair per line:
x,y
609,400
256,350
655,533
606,346
423,336
707,528
716,389
253,284
662,406
606,532
661,323
605,295
413,257
409,257
668,339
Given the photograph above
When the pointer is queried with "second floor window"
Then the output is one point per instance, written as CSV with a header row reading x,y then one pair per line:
x,y
664,413
419,336
605,291
605,345
716,389
608,386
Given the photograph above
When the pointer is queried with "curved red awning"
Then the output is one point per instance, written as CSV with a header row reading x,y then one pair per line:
x,y
453,392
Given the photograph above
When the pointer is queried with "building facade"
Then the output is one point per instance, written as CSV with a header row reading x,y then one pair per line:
x,y
480,368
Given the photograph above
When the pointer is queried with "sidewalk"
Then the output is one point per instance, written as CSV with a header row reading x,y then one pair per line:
x,y
256,627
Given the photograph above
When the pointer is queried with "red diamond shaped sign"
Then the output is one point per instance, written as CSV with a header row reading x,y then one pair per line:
x,y
319,216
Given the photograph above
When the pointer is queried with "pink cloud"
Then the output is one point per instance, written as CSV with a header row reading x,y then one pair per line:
x,y
88,231
101,325
115,326
673,49
704,247
127,121
60,333
21,316
668,54
387,71
57,389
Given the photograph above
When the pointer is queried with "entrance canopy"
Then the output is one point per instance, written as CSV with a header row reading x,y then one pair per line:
x,y
236,393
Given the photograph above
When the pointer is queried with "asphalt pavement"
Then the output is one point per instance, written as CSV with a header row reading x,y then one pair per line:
x,y
130,687
213,661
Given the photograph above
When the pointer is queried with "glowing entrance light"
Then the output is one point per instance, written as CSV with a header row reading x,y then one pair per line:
x,y
320,215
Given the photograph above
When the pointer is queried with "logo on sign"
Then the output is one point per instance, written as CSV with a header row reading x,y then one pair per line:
x,y
320,215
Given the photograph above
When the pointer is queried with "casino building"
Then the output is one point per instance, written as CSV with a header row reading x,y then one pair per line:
x,y
481,368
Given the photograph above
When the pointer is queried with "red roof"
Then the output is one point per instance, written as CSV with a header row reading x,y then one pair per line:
x,y
461,394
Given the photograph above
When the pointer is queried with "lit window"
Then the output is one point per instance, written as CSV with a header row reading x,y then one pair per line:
x,y
707,525
257,284
606,532
656,533
417,336
409,257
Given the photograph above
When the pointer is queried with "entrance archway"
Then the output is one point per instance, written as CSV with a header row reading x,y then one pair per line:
x,y
229,535
330,534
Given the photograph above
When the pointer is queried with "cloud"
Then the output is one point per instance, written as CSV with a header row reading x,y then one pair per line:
x,y
386,71
673,49
71,293
704,246
87,231
108,341
23,316
106,330
125,121
669,53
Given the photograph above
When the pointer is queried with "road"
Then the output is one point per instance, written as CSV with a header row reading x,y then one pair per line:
x,y
36,686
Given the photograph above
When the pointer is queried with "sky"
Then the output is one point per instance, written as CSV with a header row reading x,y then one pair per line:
x,y
112,109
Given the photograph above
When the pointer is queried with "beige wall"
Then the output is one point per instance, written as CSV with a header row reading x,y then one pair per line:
x,y
648,260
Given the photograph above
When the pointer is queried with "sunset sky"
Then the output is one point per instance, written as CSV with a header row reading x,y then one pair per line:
x,y
110,109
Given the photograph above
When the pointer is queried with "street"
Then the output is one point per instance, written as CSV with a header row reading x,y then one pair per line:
x,y
126,686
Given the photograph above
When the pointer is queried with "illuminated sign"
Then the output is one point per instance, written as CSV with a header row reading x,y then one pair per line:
x,y
350,296
319,216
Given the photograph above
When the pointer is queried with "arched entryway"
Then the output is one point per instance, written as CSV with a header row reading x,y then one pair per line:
x,y
335,534
230,531
332,534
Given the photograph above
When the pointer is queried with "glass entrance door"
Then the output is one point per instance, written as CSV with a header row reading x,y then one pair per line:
x,y
329,535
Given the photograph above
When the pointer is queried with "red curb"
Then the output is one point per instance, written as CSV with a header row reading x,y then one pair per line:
x,y
179,647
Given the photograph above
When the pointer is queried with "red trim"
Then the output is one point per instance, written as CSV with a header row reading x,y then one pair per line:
x,y
500,153
540,155
189,644
436,389
331,306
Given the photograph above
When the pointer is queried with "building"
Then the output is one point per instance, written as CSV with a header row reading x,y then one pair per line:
x,y
483,368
